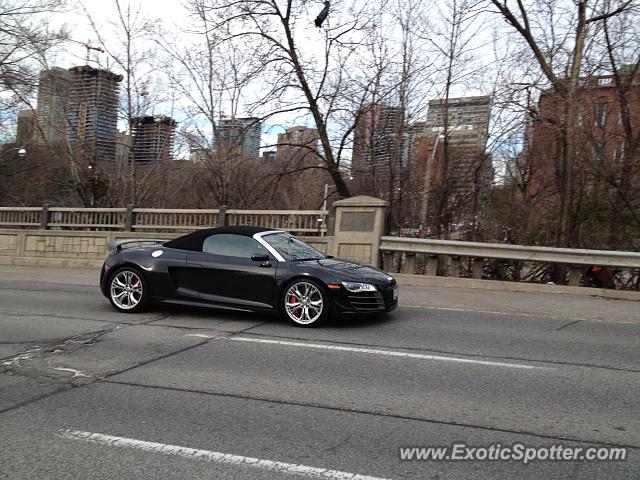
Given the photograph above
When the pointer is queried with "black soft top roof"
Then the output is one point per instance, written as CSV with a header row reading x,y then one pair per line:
x,y
193,241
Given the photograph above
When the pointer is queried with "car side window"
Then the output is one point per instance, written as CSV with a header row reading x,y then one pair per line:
x,y
232,245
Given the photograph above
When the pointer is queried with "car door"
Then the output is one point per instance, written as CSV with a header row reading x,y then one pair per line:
x,y
228,275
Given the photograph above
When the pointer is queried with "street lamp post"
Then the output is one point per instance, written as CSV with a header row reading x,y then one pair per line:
x,y
21,151
92,172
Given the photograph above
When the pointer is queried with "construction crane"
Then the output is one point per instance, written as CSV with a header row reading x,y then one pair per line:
x,y
88,46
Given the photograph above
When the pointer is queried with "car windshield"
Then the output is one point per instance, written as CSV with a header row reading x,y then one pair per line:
x,y
291,248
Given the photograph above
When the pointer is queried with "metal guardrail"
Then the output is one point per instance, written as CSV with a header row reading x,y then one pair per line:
x,y
434,250
158,220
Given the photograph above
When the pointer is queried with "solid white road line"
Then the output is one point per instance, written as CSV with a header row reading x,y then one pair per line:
x,y
389,353
216,457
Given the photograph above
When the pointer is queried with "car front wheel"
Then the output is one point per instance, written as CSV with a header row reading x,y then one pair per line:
x,y
305,303
128,290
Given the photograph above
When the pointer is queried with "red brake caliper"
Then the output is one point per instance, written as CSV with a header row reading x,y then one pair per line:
x,y
293,299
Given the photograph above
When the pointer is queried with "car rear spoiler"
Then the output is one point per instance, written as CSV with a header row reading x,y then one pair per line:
x,y
116,245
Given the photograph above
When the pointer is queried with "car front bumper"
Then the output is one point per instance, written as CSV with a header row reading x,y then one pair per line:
x,y
382,300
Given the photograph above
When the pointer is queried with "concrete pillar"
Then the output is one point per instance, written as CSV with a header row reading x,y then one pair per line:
x,y
358,227
455,267
409,264
387,261
575,276
432,265
130,221
223,220
476,267
44,217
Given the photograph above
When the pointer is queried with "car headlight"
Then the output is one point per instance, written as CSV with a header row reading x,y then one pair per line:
x,y
356,287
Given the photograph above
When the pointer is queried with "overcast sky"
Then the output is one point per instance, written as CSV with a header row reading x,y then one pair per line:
x,y
172,16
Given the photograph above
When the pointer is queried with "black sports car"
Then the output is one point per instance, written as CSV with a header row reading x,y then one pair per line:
x,y
243,269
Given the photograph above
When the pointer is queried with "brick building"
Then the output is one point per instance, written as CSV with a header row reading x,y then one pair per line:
x,y
300,143
600,141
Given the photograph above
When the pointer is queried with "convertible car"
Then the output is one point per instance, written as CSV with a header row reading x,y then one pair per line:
x,y
243,269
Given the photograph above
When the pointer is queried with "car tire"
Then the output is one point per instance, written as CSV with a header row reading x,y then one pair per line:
x,y
128,290
305,303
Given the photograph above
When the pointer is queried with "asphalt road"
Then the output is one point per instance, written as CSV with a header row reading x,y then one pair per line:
x,y
86,392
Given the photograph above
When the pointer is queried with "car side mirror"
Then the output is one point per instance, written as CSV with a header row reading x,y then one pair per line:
x,y
260,257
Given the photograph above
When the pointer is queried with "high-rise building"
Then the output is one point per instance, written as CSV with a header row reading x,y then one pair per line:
x,y
152,138
466,114
377,136
268,156
378,149
53,106
25,134
299,143
467,174
92,114
240,133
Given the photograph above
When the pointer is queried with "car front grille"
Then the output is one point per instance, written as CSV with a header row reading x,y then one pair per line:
x,y
367,301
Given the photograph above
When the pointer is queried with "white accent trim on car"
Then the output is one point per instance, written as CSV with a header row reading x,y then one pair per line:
x,y
265,244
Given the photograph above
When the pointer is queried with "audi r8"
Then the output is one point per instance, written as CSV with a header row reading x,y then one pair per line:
x,y
245,269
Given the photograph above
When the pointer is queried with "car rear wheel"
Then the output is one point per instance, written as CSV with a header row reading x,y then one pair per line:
x,y
128,291
305,303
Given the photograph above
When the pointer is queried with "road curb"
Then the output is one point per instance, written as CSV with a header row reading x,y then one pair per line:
x,y
403,279
50,262
499,285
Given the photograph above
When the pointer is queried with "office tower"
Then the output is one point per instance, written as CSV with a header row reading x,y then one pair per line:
x,y
240,134
53,106
464,172
377,141
25,134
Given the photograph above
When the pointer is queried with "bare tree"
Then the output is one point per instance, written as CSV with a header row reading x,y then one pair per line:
x,y
128,40
212,77
456,32
306,69
556,33
25,39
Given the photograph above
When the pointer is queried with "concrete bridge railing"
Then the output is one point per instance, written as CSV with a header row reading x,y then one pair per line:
x,y
309,222
55,236
400,254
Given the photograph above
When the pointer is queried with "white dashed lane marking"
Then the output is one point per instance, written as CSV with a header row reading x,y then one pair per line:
x,y
215,457
390,353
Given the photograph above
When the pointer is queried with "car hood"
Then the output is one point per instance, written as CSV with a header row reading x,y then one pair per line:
x,y
349,270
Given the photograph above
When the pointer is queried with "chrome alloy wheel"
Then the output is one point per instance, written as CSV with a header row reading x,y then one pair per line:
x,y
303,303
126,289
